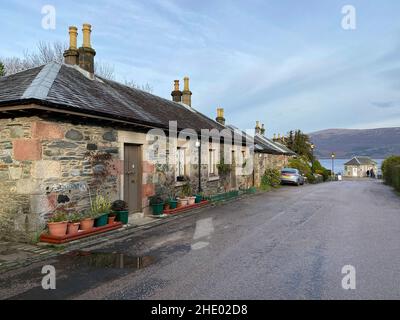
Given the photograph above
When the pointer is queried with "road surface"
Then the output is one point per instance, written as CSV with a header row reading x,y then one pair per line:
x,y
286,244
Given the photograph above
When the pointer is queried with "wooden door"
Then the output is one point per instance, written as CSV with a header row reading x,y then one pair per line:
x,y
133,177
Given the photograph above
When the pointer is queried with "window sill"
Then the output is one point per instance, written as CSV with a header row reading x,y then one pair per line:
x,y
213,178
180,183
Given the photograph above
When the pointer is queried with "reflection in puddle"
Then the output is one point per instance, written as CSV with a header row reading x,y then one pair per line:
x,y
110,260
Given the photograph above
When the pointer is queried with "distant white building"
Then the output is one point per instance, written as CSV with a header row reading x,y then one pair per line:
x,y
359,166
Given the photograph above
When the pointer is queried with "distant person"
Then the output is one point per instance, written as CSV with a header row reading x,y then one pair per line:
x,y
368,173
372,173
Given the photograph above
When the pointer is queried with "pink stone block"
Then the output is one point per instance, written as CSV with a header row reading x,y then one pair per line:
x,y
26,150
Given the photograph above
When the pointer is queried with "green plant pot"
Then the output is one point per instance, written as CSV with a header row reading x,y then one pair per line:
x,y
101,221
173,204
199,197
157,208
122,216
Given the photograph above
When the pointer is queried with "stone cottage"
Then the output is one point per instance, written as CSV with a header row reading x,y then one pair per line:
x,y
67,134
358,166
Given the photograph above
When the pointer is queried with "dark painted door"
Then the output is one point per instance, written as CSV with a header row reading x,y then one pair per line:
x,y
133,177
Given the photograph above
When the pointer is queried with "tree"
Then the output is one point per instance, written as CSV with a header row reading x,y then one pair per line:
x,y
2,71
144,87
47,52
299,143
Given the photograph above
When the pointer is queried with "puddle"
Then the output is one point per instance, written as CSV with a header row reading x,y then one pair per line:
x,y
108,260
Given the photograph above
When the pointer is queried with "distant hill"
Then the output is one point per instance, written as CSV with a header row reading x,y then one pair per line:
x,y
376,143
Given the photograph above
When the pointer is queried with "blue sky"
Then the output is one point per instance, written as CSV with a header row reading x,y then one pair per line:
x,y
287,63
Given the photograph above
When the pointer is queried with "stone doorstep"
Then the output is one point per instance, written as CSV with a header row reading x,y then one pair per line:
x,y
47,251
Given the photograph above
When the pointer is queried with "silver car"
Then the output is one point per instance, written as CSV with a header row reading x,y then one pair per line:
x,y
291,176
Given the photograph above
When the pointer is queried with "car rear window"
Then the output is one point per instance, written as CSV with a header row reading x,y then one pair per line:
x,y
289,171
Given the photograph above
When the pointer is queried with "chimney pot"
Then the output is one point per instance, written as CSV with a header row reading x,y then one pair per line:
x,y
71,55
262,129
186,93
220,116
176,94
86,30
257,128
73,35
86,53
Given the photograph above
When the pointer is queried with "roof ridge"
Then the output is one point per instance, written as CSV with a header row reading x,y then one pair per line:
x,y
40,86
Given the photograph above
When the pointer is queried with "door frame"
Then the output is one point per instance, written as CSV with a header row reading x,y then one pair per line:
x,y
140,177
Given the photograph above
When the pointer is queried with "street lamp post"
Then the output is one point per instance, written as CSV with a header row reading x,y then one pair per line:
x,y
333,164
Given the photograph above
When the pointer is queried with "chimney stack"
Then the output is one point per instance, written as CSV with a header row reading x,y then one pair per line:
x,y
71,55
262,131
220,116
186,93
257,128
176,94
86,52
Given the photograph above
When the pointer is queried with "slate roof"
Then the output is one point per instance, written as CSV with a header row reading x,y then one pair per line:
x,y
69,88
262,144
360,160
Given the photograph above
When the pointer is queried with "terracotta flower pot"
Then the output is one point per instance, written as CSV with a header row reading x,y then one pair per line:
x,y
73,228
183,202
58,229
111,219
191,200
87,224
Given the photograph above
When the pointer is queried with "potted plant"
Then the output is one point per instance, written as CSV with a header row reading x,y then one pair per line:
x,y
191,200
74,221
173,203
157,204
120,208
199,198
87,221
111,218
101,208
58,224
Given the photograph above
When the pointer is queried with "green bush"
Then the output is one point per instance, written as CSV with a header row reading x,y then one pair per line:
x,y
301,164
270,178
319,169
389,171
310,178
396,177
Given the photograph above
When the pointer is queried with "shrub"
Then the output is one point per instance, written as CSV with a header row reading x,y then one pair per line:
x,y
100,205
119,205
389,170
301,164
270,178
58,216
310,178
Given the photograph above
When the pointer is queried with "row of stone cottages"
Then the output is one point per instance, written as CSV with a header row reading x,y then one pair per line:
x,y
66,134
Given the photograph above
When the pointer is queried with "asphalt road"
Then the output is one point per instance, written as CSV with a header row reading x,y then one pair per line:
x,y
287,244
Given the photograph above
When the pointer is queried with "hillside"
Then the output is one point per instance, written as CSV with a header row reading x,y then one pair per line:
x,y
376,143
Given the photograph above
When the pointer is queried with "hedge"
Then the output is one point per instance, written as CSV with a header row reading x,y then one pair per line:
x,y
391,171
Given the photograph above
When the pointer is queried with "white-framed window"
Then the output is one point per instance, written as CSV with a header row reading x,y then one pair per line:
x,y
212,162
180,162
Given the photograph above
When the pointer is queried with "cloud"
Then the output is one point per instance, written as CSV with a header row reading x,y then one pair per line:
x,y
386,104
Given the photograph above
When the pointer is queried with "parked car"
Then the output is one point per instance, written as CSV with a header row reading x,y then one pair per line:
x,y
291,176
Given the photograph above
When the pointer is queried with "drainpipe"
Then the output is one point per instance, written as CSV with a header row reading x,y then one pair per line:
x,y
198,145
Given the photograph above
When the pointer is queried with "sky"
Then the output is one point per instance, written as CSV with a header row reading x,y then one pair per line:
x,y
287,63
